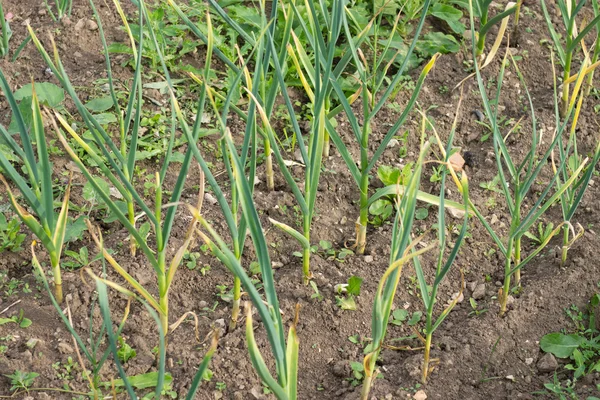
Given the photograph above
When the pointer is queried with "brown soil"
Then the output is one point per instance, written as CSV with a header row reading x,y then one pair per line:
x,y
484,357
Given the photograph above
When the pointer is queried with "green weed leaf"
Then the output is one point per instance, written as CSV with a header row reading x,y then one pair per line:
x,y
560,345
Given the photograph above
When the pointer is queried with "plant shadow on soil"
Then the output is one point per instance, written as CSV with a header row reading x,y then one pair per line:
x,y
477,355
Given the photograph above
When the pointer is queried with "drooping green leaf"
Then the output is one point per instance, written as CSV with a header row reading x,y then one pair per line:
x,y
143,381
437,42
347,303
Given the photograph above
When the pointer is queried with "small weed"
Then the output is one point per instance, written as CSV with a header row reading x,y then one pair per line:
x,y
476,311
543,233
21,380
10,236
125,351
19,320
347,292
316,295
581,348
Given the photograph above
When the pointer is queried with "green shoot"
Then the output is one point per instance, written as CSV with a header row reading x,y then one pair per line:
x,y
5,35
402,252
372,79
429,292
567,46
35,182
571,163
516,180
481,10
117,164
63,9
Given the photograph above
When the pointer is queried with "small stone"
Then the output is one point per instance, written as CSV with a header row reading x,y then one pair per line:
x,y
457,161
202,304
42,11
393,143
460,296
27,357
368,259
471,286
343,220
479,292
547,363
420,395
340,369
494,220
66,21
210,199
256,392
65,348
31,343
529,361
456,213
218,395
91,25
80,25
78,54
510,300
220,323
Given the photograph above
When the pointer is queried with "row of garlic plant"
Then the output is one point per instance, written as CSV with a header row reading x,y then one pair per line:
x,y
518,176
270,58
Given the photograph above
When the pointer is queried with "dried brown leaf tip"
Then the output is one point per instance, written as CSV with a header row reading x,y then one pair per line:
x,y
457,161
